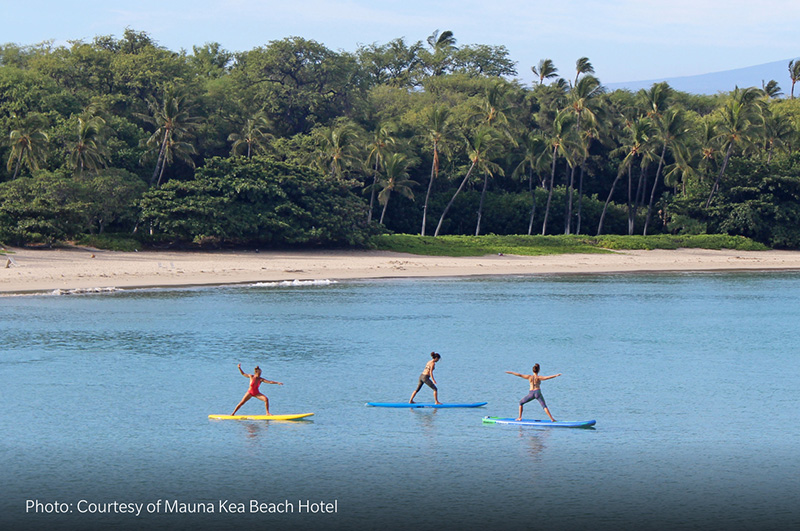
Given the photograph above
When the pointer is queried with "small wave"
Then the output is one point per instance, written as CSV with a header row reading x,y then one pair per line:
x,y
83,291
293,283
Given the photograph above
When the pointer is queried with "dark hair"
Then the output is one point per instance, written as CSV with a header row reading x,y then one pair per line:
x,y
536,369
435,355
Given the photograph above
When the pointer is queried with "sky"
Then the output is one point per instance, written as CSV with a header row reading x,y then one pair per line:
x,y
626,40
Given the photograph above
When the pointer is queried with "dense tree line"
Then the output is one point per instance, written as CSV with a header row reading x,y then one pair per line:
x,y
294,143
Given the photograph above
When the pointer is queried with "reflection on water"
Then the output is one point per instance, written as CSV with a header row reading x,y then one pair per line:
x,y
535,442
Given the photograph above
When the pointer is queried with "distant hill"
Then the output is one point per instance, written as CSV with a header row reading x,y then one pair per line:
x,y
725,81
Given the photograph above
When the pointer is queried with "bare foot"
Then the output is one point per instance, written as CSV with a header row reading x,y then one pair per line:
x,y
411,402
438,403
519,418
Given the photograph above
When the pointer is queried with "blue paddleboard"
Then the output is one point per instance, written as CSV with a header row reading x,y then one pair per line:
x,y
423,404
542,423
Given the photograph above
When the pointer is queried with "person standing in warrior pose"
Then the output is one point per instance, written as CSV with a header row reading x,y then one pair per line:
x,y
252,391
535,392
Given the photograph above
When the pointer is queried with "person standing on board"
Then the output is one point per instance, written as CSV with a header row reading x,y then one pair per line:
x,y
252,391
427,378
535,392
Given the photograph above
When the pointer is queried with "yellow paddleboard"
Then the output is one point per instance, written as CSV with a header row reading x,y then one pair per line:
x,y
260,417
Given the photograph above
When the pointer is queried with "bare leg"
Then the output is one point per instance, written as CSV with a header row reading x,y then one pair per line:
x,y
266,402
548,414
247,397
520,412
436,396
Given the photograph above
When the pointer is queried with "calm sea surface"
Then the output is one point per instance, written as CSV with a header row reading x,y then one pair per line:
x,y
692,378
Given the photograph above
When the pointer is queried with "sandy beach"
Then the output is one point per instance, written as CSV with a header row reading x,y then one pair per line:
x,y
36,270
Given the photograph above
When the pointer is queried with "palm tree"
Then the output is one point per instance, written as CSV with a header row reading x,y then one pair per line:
x,y
336,146
672,132
649,153
558,142
28,143
489,169
583,66
589,135
534,152
442,46
655,100
252,137
709,146
378,147
681,170
635,144
492,110
172,121
771,89
438,125
89,150
777,131
175,149
397,180
477,146
545,70
583,104
794,74
443,41
737,124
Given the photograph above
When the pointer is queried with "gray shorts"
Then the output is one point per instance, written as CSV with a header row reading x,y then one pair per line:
x,y
425,379
537,394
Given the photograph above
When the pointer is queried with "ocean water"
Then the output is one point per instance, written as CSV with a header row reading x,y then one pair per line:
x,y
692,379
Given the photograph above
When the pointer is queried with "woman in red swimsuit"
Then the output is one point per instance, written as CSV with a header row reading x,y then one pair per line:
x,y
255,381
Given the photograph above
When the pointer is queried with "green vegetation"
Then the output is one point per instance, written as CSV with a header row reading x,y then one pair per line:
x,y
545,245
255,201
111,242
294,144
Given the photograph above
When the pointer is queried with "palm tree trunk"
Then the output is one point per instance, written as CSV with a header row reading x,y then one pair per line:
x,y
452,199
159,161
580,197
630,192
532,189
434,165
372,192
568,208
653,191
550,192
19,164
480,205
608,200
721,172
386,204
637,201
161,175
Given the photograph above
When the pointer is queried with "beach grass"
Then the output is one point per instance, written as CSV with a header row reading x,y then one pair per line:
x,y
549,245
110,242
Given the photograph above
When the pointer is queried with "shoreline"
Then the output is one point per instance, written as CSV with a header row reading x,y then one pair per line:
x,y
31,271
